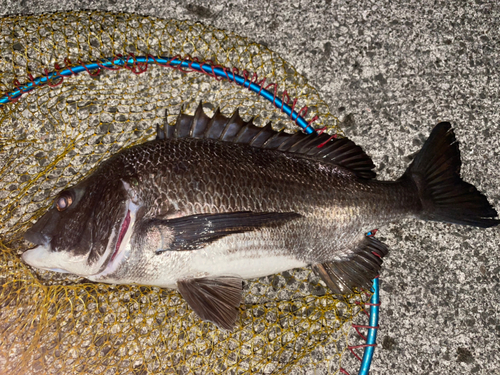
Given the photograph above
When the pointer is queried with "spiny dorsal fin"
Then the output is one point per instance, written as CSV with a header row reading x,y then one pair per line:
x,y
201,121
160,134
339,151
182,126
216,125
233,126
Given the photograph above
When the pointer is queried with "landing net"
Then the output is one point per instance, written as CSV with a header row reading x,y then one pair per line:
x,y
56,134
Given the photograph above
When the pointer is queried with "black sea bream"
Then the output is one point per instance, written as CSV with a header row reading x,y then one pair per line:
x,y
213,201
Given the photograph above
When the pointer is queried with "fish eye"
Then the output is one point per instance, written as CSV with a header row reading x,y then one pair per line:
x,y
64,201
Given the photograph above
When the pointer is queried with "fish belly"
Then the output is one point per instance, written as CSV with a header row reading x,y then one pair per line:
x,y
241,255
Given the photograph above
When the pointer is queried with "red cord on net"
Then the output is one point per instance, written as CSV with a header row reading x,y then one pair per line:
x,y
56,76
137,68
96,71
101,65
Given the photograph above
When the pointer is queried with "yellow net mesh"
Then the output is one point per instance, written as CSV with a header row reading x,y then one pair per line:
x,y
53,136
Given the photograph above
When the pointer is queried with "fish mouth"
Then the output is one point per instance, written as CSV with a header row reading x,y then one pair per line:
x,y
42,257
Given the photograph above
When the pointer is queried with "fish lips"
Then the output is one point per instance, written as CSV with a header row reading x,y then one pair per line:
x,y
38,256
41,234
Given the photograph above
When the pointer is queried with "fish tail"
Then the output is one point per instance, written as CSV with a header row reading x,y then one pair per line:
x,y
444,196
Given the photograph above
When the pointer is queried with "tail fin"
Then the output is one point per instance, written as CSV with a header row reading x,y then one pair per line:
x,y
444,195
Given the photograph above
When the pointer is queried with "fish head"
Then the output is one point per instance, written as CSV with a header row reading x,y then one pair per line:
x,y
84,228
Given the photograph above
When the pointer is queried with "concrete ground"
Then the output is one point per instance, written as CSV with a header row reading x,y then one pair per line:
x,y
392,70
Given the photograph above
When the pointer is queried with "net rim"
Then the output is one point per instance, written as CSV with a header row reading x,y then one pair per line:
x,y
177,62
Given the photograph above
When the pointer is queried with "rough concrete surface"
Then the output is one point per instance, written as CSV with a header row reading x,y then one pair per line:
x,y
391,70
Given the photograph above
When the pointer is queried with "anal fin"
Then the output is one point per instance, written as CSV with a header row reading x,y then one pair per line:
x,y
214,299
356,271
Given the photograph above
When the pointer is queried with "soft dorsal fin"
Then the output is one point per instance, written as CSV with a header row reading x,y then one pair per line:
x,y
339,151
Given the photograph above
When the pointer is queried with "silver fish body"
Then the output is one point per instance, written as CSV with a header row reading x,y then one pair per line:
x,y
213,201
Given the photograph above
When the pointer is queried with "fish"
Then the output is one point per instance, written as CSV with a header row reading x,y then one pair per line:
x,y
213,201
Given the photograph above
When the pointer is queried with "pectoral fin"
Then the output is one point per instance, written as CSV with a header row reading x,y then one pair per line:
x,y
357,271
197,231
214,299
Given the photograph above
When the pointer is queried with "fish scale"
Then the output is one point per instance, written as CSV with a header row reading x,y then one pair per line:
x,y
317,191
213,201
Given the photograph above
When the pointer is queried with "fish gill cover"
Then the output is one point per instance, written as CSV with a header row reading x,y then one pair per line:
x,y
54,136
